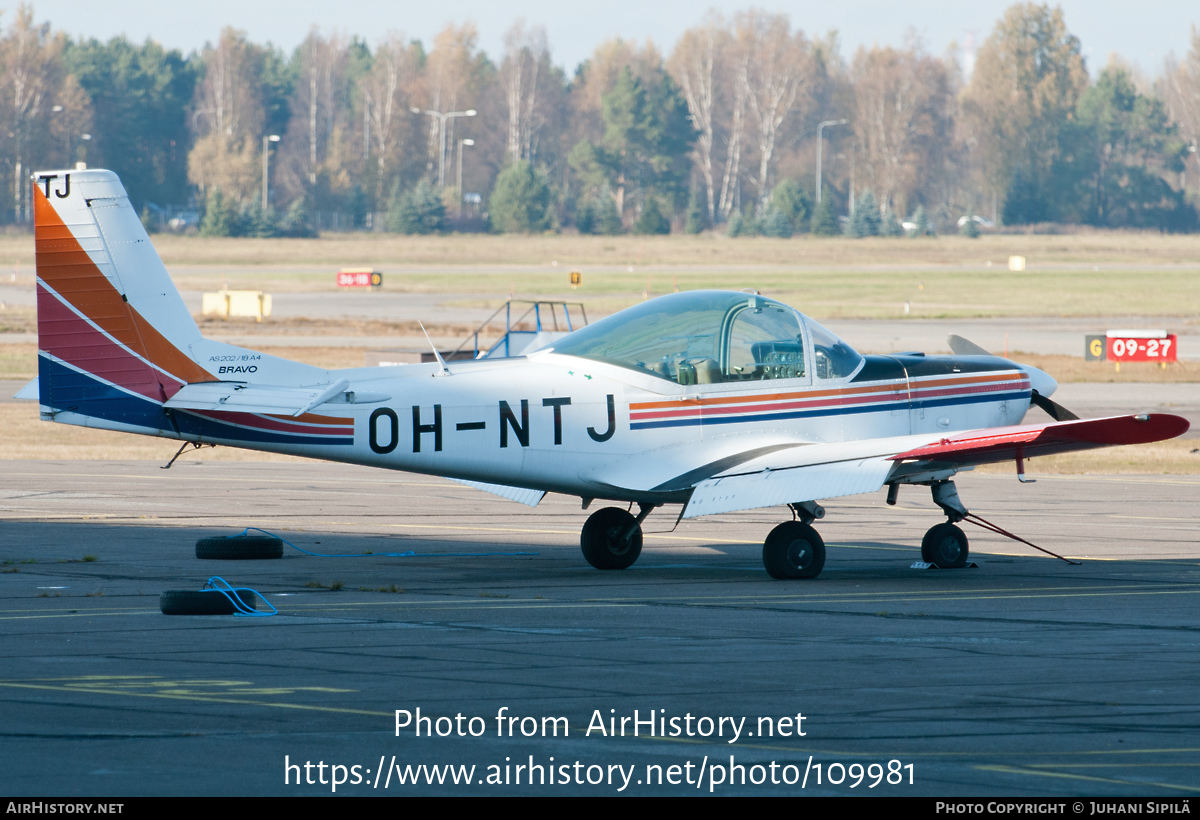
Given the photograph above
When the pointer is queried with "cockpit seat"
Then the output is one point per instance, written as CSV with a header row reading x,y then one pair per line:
x,y
707,371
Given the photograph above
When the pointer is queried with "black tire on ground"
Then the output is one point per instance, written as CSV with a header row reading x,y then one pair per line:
x,y
945,546
200,602
601,539
794,550
240,547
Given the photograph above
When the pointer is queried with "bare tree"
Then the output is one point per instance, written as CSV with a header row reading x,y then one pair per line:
x,y
902,102
228,99
694,64
386,89
526,53
29,57
1181,92
730,182
774,73
323,95
228,118
452,78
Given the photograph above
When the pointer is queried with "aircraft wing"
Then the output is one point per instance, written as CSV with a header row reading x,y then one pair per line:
x,y
819,471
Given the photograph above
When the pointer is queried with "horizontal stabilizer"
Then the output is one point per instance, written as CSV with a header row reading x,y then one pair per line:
x,y
30,392
769,488
252,398
521,495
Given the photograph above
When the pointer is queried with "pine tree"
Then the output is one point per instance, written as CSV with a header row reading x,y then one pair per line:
x,y
789,199
520,202
651,220
824,220
889,225
864,221
775,222
697,215
969,228
608,221
295,222
419,211
585,217
920,222
218,216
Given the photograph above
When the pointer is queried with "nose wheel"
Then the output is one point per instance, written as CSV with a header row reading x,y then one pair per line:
x,y
945,546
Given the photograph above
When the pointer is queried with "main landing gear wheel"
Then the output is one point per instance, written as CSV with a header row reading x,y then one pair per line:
x,y
945,546
611,539
794,550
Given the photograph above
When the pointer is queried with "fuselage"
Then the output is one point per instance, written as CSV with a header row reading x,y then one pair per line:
x,y
564,424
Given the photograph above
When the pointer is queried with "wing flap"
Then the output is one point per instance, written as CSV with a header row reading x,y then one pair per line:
x,y
1008,443
769,488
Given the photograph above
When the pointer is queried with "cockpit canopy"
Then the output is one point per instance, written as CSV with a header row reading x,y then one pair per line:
x,y
712,337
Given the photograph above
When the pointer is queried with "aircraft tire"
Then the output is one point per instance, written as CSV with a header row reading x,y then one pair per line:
x,y
600,539
240,547
200,602
945,546
794,550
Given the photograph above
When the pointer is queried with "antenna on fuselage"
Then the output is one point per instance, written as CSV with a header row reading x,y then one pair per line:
x,y
437,355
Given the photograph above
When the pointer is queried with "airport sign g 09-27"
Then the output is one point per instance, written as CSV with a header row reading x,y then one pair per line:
x,y
1140,346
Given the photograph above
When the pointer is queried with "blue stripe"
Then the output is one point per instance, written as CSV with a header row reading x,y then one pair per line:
x,y
65,389
833,411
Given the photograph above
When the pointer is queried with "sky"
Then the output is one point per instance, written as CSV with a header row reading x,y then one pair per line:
x,y
1143,33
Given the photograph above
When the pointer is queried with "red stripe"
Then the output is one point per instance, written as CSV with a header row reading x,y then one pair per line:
x,y
259,422
63,334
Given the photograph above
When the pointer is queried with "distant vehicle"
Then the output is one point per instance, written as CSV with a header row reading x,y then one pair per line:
x,y
182,221
979,220
714,400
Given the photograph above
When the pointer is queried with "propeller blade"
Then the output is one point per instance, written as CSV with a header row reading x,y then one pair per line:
x,y
965,347
1053,409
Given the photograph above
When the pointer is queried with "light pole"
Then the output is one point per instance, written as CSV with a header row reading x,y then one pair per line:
x,y
58,109
266,139
461,143
441,118
819,143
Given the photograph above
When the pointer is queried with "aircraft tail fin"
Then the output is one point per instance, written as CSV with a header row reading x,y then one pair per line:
x,y
112,327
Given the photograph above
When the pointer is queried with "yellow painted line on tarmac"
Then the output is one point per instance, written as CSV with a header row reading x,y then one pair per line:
x,y
194,698
685,601
876,595
381,482
1067,776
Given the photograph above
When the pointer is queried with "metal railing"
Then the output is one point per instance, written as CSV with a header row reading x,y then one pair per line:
x,y
510,325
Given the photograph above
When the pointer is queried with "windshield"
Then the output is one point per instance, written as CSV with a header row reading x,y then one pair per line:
x,y
834,358
699,337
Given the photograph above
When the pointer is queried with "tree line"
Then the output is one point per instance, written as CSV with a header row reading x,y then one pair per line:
x,y
724,132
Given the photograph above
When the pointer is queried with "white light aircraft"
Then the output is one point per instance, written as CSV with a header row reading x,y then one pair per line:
x,y
716,401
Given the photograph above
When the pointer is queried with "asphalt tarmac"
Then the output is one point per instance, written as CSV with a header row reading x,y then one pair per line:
x,y
1025,676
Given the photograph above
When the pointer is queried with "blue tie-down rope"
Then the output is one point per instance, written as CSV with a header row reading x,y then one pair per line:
x,y
239,606
408,554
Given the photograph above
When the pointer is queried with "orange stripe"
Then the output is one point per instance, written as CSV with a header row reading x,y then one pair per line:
x,y
65,266
894,387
